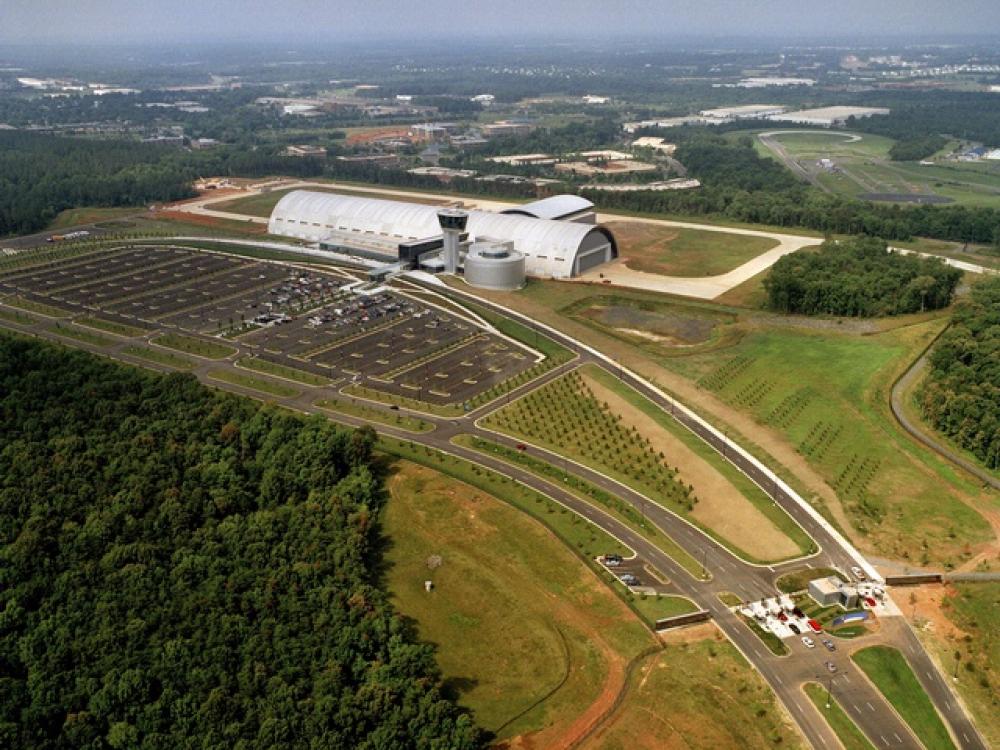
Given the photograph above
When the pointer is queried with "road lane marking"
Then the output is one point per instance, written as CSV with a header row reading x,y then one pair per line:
x,y
779,680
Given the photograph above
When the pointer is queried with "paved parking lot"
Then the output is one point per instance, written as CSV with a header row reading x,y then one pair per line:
x,y
303,319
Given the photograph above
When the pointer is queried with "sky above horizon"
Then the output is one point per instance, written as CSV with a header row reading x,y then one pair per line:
x,y
123,21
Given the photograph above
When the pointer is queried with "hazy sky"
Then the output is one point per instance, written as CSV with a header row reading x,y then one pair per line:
x,y
123,21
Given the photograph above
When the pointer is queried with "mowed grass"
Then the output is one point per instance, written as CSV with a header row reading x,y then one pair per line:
x,y
526,634
845,729
262,204
671,251
82,335
826,393
160,357
34,306
191,345
798,580
654,608
372,414
832,144
696,695
270,387
109,326
282,371
890,672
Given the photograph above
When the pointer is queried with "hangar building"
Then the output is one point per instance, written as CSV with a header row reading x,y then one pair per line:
x,y
555,235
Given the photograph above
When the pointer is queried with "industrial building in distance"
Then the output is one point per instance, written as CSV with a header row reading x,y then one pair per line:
x,y
556,237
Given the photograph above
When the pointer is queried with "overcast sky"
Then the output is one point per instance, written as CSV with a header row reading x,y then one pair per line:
x,y
122,21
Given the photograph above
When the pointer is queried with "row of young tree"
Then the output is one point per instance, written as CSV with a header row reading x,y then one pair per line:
x,y
961,396
859,278
183,568
41,175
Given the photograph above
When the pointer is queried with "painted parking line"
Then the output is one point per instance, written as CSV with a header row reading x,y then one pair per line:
x,y
870,706
898,738
884,740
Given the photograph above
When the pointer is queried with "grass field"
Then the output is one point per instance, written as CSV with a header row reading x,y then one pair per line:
x,y
893,676
527,636
262,204
827,395
269,387
673,251
798,580
16,316
371,414
191,345
160,357
845,729
654,608
697,695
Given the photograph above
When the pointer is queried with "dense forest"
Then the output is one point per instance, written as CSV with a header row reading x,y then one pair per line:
x,y
859,277
41,175
961,396
188,569
916,147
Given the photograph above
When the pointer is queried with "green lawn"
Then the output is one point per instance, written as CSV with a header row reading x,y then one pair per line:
x,y
89,215
671,251
191,345
890,672
774,644
257,384
654,608
841,724
523,629
31,305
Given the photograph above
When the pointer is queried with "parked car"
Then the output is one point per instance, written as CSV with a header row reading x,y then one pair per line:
x,y
630,580
830,645
613,558
522,447
798,612
794,628
870,602
809,642
783,617
831,667
611,562
814,626
858,573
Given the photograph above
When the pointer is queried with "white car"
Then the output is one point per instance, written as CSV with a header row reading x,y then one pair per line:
x,y
809,642
858,573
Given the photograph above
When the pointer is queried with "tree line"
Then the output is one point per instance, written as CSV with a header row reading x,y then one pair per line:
x,y
961,396
183,568
41,175
859,278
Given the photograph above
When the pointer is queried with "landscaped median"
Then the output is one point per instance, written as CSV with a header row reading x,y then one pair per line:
x,y
369,413
846,730
192,345
594,419
160,356
892,675
270,387
589,493
282,371
114,327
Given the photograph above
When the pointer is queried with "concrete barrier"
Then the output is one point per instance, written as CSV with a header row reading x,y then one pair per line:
x,y
675,622
914,580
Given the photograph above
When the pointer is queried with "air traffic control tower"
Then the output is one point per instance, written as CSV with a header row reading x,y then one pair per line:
x,y
452,221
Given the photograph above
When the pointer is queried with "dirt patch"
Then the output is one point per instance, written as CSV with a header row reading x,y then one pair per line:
x,y
721,507
661,327
691,634
924,608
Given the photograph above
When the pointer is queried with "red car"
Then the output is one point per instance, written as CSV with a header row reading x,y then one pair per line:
x,y
870,602
783,617
814,626
522,447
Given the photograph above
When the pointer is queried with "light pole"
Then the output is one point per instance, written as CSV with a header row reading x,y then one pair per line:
x,y
704,563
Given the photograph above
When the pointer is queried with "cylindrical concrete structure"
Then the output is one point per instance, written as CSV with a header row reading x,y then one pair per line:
x,y
494,265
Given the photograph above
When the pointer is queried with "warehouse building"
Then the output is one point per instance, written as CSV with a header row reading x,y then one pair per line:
x,y
828,117
555,236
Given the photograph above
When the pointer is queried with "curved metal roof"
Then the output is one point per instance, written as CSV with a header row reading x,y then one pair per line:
x,y
550,247
553,207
